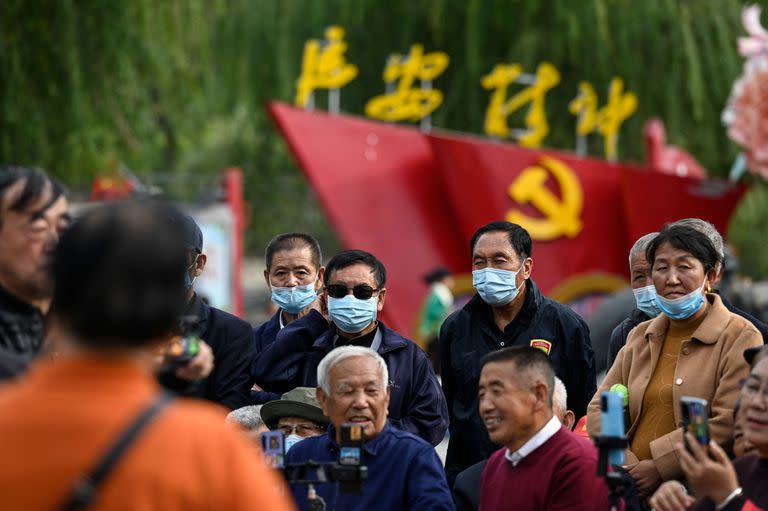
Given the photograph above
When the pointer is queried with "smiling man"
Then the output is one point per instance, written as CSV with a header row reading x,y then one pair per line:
x,y
354,294
542,465
404,471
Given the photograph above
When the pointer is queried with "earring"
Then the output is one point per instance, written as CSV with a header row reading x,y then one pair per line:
x,y
709,288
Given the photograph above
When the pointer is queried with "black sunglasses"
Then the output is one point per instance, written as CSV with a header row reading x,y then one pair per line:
x,y
361,291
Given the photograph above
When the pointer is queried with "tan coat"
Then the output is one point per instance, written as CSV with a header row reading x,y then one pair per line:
x,y
710,366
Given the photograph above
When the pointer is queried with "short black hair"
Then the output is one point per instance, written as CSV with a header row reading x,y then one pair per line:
x,y
350,257
519,238
290,241
117,277
35,183
525,358
685,238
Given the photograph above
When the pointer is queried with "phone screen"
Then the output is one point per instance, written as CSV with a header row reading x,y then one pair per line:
x,y
273,445
695,414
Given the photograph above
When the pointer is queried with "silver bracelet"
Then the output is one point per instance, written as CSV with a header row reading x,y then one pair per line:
x,y
735,494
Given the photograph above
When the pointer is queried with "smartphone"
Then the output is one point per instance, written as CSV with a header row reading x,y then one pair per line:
x,y
182,350
695,414
273,446
612,423
351,447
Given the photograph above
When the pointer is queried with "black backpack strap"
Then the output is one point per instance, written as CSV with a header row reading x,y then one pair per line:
x,y
86,487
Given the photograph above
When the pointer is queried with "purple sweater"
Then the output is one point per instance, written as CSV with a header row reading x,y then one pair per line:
x,y
559,475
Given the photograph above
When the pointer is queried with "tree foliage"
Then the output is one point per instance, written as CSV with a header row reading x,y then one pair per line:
x,y
179,86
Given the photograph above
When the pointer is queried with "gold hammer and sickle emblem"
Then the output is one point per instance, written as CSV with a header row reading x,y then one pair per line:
x,y
561,216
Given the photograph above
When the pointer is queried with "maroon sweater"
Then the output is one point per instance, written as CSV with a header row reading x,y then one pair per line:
x,y
559,475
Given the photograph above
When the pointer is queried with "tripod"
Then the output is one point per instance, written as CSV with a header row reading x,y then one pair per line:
x,y
616,484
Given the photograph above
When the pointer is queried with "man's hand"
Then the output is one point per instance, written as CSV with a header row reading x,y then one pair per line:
x,y
710,475
199,367
646,477
320,305
671,496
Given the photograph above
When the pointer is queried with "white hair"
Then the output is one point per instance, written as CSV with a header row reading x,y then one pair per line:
x,y
247,416
708,230
640,247
344,352
559,398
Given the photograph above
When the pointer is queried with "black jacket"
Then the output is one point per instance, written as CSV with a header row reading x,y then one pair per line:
x,y
466,489
21,334
416,402
621,332
231,340
264,335
470,333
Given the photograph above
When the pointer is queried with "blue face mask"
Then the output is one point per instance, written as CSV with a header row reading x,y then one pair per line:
x,y
291,440
351,314
683,307
294,299
496,287
646,300
188,281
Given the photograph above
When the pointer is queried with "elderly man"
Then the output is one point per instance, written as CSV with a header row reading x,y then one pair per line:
x,y
404,472
102,391
542,465
249,418
354,293
29,230
297,414
220,372
508,310
294,277
645,296
466,489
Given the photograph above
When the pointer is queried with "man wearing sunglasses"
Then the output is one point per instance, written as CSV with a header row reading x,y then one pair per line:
x,y
29,230
352,297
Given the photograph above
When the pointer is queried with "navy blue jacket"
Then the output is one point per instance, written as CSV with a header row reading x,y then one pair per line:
x,y
470,333
404,473
264,335
231,340
416,402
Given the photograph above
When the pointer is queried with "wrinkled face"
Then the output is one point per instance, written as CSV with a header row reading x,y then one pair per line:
x,y
506,408
493,250
741,445
302,427
27,239
677,272
293,267
357,396
754,399
640,272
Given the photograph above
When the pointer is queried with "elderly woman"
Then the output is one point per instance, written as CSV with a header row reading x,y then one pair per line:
x,y
693,348
712,478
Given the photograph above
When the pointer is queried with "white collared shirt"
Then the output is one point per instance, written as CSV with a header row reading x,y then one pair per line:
x,y
536,441
280,317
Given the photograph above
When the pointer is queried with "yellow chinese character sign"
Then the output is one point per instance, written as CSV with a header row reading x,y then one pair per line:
x,y
405,102
499,107
323,65
606,121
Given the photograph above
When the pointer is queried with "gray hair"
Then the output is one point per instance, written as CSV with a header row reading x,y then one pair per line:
x,y
248,416
340,354
560,399
708,230
640,246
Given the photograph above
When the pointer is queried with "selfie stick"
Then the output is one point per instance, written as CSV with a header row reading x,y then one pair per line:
x,y
611,444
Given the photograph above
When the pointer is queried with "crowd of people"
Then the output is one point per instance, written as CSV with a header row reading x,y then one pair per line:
x,y
108,356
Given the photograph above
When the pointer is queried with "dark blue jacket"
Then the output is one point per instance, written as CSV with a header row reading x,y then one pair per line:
x,y
404,473
264,335
231,340
470,333
416,402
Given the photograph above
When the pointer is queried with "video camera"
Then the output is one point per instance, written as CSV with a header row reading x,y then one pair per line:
x,y
349,471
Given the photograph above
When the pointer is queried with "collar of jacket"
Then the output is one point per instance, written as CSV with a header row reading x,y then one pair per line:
x,y
390,340
202,311
708,331
477,307
10,301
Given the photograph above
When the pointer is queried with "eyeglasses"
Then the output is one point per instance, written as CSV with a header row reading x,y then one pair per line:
x,y
750,389
361,291
301,429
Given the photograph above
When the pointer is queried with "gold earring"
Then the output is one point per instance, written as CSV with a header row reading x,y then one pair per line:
x,y
709,288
